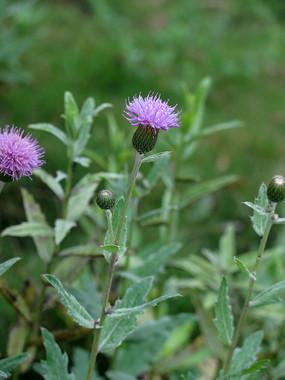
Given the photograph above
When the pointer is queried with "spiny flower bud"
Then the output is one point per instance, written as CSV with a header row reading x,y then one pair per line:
x,y
276,189
144,139
105,199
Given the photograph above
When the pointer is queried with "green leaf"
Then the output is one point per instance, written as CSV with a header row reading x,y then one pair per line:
x,y
82,250
243,268
28,229
200,190
71,114
114,331
270,295
116,375
51,182
34,214
227,248
224,318
80,197
259,220
56,365
52,130
155,262
4,375
245,357
258,209
256,367
62,228
7,365
126,311
8,264
156,157
77,312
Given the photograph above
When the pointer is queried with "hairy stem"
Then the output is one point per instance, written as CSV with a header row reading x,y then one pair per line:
x,y
116,237
250,289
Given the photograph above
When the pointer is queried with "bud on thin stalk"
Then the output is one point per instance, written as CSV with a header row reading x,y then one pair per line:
x,y
276,189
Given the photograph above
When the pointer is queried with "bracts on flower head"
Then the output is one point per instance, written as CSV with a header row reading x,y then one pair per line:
x,y
105,199
19,155
149,115
276,189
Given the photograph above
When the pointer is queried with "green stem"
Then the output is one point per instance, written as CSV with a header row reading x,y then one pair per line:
x,y
68,186
112,265
250,289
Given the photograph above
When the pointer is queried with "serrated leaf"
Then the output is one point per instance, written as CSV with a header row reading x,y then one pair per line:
x,y
200,190
62,228
8,264
46,127
28,229
224,317
77,312
245,357
56,365
270,295
114,331
156,157
259,220
8,364
51,182
44,245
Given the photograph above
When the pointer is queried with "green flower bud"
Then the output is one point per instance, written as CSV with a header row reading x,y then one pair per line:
x,y
105,199
144,139
276,189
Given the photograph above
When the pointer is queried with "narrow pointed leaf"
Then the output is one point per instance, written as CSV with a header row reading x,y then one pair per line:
x,y
51,182
8,264
52,130
273,294
77,312
224,318
62,228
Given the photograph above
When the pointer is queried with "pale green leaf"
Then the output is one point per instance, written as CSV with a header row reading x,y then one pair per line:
x,y
156,157
77,312
224,318
51,182
156,261
82,250
242,267
62,228
55,367
227,248
221,127
71,113
245,356
28,229
126,311
8,264
34,214
259,220
114,331
52,130
9,364
80,197
200,190
116,375
273,294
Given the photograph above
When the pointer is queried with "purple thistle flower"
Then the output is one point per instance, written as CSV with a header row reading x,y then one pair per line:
x,y
151,111
19,155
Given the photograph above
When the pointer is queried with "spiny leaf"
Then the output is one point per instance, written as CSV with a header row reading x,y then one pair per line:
x,y
77,312
224,318
259,220
7,365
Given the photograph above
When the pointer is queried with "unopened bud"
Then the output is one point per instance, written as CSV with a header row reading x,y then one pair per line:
x,y
276,189
105,199
144,139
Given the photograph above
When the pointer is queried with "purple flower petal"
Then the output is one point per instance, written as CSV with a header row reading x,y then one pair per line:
x,y
19,155
151,111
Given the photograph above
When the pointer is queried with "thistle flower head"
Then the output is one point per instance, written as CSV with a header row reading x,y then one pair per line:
x,y
276,189
19,155
152,112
